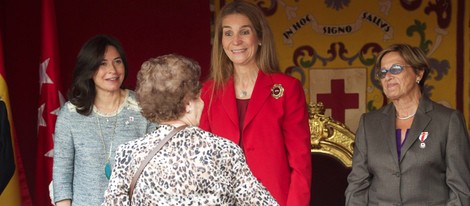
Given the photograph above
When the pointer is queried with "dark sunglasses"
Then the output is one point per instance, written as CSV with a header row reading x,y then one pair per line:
x,y
394,69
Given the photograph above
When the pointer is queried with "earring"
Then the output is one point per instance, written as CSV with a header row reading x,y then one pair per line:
x,y
259,43
417,81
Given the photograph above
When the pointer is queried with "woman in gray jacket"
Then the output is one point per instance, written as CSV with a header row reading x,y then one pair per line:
x,y
99,116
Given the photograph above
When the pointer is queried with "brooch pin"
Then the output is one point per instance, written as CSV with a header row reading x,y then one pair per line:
x,y
422,138
277,91
131,119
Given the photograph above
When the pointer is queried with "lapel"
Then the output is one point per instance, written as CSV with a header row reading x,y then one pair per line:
x,y
388,127
261,93
229,102
420,122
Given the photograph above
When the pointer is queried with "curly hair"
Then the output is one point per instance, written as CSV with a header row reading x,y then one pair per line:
x,y
165,85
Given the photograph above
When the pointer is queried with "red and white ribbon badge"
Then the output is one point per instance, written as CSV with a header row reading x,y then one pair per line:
x,y
422,137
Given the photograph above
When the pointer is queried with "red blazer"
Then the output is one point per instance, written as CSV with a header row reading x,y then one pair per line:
x,y
276,134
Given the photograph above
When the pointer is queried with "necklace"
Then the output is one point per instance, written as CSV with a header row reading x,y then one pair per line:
x,y
107,166
243,93
244,86
407,117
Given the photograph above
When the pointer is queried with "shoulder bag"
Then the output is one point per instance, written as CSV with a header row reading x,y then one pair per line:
x,y
149,157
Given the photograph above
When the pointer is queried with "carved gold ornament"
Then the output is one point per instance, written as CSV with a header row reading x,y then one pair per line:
x,y
328,136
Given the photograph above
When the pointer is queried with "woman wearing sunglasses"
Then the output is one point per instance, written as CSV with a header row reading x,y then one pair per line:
x,y
412,151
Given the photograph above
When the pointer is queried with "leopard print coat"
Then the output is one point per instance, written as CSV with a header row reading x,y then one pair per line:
x,y
195,167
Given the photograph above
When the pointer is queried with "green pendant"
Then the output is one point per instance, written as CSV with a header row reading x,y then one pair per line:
x,y
107,170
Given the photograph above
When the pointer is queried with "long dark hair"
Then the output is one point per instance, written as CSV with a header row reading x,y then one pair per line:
x,y
82,92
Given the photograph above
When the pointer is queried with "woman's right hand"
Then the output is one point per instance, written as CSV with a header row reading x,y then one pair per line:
x,y
66,202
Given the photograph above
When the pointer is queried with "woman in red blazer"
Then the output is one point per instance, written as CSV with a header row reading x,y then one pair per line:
x,y
249,101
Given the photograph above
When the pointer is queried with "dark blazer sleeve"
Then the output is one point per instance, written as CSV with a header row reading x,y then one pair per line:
x,y
458,161
7,161
358,180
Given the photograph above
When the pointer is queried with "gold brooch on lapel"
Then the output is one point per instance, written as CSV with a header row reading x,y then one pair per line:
x,y
277,91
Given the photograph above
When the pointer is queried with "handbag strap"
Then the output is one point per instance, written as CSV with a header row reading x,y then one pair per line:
x,y
149,157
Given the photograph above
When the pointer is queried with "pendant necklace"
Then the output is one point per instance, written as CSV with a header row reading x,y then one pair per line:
x,y
243,93
245,87
107,167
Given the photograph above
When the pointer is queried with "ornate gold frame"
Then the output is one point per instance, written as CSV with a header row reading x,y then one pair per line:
x,y
328,136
